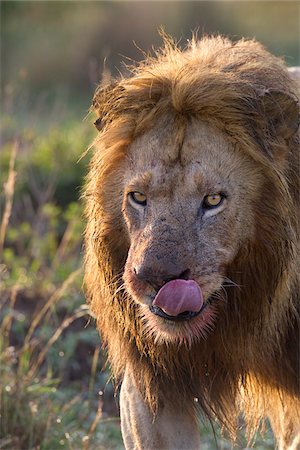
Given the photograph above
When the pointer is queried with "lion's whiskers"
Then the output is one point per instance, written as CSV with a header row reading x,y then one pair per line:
x,y
231,283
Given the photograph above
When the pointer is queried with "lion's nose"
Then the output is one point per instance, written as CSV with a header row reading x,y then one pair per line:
x,y
157,279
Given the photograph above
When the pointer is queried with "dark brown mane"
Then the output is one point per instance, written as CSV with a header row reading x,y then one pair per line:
x,y
230,86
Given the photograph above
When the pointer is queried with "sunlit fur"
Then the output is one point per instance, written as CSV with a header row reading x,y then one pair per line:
x,y
252,349
182,333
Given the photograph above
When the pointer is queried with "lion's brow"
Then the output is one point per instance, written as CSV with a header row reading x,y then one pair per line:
x,y
143,179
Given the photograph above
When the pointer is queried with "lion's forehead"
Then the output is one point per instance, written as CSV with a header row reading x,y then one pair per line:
x,y
203,159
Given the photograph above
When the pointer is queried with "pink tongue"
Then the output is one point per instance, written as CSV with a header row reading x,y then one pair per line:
x,y
178,296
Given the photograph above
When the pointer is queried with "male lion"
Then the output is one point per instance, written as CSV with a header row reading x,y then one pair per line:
x,y
192,208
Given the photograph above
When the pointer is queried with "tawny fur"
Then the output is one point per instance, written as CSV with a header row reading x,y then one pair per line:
x,y
253,351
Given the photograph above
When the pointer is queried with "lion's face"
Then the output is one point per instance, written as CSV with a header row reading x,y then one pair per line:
x,y
188,204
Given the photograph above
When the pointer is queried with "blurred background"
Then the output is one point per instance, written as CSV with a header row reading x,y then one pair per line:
x,y
55,389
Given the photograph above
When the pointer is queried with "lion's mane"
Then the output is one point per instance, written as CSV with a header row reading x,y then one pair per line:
x,y
245,92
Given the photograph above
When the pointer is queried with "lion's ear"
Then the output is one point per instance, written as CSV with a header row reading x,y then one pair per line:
x,y
282,114
101,102
98,124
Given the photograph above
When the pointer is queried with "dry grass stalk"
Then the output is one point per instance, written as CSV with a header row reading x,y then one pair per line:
x,y
96,419
67,322
93,371
9,188
67,236
51,302
7,320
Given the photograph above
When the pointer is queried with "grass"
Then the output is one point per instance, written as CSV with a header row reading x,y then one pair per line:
x,y
53,392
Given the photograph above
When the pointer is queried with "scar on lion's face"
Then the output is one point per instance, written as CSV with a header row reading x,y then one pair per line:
x,y
174,232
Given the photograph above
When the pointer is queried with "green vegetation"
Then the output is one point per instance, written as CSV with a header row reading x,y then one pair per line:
x,y
53,393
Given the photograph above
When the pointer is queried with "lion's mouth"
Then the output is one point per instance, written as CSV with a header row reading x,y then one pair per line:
x,y
178,300
183,316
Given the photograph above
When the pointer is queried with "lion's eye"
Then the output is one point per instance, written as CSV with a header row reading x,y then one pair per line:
x,y
213,200
138,198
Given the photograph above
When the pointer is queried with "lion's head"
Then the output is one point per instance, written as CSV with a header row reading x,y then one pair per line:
x,y
191,213
189,206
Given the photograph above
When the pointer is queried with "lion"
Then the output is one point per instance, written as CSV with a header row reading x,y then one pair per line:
x,y
192,203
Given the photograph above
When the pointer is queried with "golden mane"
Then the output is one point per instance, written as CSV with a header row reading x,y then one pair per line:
x,y
247,93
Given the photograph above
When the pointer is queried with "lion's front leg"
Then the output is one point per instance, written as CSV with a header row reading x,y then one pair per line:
x,y
284,416
168,430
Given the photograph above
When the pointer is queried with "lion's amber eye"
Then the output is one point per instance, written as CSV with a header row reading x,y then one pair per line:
x,y
213,200
138,198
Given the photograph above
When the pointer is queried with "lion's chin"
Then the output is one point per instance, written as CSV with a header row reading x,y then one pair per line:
x,y
184,332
